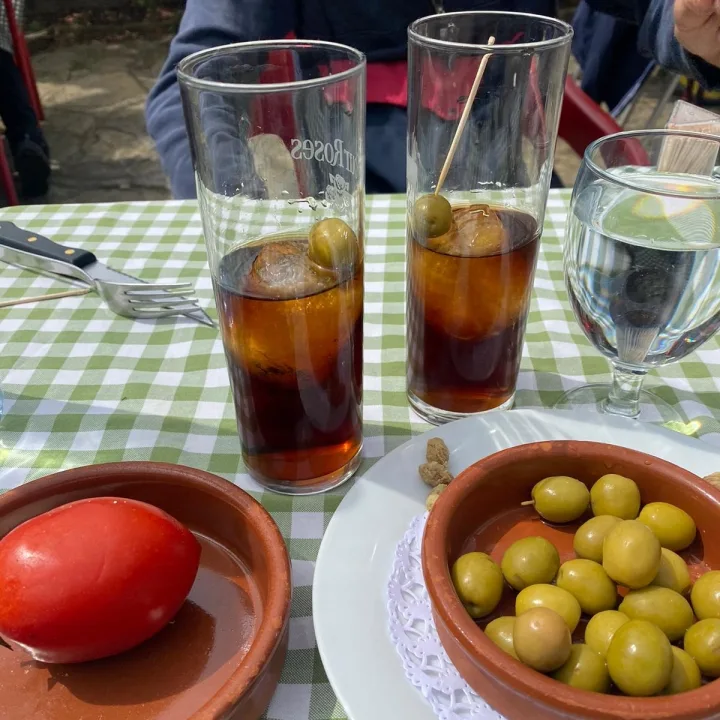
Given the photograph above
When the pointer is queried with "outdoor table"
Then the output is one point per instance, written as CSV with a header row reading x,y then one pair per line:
x,y
83,385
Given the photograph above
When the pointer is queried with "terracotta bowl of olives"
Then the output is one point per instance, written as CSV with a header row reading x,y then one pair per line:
x,y
579,580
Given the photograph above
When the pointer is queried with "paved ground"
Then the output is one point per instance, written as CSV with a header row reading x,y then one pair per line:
x,y
94,95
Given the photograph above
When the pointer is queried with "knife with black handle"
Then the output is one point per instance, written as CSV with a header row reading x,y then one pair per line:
x,y
37,252
18,239
41,264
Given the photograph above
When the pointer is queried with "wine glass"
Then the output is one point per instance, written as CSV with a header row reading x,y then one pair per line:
x,y
642,260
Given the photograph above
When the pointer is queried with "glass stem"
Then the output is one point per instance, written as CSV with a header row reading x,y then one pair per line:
x,y
624,397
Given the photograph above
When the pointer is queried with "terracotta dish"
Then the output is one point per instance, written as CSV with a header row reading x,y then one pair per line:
x,y
220,659
481,510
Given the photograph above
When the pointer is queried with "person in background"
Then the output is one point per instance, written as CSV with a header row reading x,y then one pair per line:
x,y
697,29
30,152
379,29
606,48
683,36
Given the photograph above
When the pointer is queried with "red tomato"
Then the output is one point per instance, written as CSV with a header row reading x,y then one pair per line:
x,y
93,578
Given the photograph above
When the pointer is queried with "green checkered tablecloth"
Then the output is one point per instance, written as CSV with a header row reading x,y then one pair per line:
x,y
85,386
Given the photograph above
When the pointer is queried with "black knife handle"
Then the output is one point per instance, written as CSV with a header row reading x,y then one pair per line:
x,y
14,237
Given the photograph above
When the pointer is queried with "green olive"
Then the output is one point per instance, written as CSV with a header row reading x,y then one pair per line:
x,y
674,528
332,244
560,499
529,561
663,607
541,639
640,659
432,216
685,674
674,574
702,643
585,669
588,541
615,495
478,583
631,554
549,596
705,595
500,631
602,627
589,584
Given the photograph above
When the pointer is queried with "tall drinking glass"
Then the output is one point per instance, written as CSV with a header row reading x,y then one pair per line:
x,y
642,260
471,260
277,136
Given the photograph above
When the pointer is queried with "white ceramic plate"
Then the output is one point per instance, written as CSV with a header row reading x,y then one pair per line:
x,y
353,566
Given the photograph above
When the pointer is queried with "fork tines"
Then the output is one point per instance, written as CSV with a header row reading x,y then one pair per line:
x,y
158,311
172,288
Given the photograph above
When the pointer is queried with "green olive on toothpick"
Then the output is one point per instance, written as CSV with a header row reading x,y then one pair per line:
x,y
332,244
432,216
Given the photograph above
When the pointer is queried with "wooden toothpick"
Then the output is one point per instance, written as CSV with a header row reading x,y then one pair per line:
x,y
464,117
39,298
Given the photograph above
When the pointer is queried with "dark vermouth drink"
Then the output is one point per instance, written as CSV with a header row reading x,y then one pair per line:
x,y
292,332
468,296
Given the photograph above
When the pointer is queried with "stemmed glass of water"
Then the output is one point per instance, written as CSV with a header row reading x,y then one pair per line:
x,y
642,260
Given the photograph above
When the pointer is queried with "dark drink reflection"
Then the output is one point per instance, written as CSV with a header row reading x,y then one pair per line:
x,y
468,297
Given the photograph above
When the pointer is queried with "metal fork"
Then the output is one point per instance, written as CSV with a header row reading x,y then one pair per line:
x,y
147,300
131,299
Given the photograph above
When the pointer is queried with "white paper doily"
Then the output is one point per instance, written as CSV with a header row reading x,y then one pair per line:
x,y
412,630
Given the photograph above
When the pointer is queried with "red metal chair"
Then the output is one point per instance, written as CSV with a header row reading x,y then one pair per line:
x,y
583,121
6,178
22,59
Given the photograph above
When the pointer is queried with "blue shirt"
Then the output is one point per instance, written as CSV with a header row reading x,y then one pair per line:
x,y
376,27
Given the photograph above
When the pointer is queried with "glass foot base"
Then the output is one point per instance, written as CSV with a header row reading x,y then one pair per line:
x,y
310,487
436,416
594,398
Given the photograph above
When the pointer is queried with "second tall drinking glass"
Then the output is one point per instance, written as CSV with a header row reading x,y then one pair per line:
x,y
471,263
